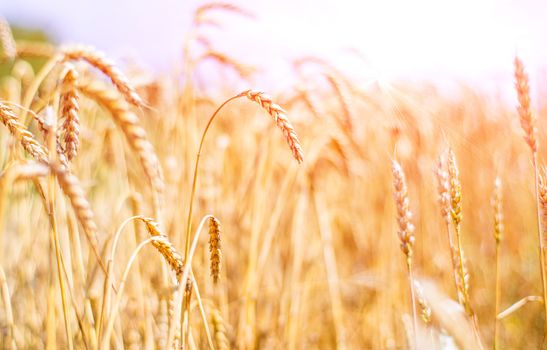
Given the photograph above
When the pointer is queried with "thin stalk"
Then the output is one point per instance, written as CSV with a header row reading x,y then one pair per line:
x,y
469,310
35,85
53,221
498,295
182,287
413,299
540,238
194,180
112,318
451,249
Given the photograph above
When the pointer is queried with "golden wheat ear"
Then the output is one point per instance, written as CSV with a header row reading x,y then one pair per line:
x,y
7,42
69,109
527,119
164,247
99,61
280,117
214,248
404,215
20,132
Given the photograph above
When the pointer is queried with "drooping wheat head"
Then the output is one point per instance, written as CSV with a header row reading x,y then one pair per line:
x,y
280,117
99,61
20,132
132,129
165,247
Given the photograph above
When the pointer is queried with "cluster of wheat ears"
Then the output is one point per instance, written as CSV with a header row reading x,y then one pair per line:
x,y
98,165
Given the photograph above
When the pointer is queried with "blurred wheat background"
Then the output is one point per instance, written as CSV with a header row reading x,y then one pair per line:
x,y
139,210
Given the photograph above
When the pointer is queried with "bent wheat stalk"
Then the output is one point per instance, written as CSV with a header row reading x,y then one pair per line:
x,y
282,122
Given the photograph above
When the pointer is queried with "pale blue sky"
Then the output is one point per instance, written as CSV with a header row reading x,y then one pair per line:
x,y
431,38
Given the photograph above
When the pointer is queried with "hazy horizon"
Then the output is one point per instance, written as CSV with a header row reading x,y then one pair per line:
x,y
431,40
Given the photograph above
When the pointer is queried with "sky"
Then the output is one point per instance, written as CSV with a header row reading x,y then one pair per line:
x,y
474,40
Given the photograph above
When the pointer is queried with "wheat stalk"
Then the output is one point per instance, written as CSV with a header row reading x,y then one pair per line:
x,y
406,229
99,61
528,121
455,193
460,263
69,109
498,234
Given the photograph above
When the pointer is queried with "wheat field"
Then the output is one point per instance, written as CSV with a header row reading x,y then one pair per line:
x,y
334,214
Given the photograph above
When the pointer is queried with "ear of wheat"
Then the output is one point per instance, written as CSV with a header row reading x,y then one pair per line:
x,y
6,40
406,231
69,112
542,192
527,119
20,132
132,129
70,185
99,61
165,247
214,248
280,118
404,215
456,214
